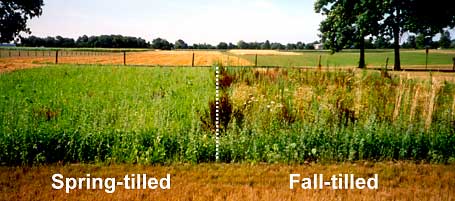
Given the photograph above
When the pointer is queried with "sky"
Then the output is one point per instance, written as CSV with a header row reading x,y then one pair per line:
x,y
194,21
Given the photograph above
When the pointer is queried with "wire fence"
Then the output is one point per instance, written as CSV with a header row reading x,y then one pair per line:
x,y
203,58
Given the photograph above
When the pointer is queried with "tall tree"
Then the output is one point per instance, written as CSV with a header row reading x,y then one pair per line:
x,y
417,16
348,22
14,15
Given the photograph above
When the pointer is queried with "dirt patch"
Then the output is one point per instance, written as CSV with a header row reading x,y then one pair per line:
x,y
397,181
163,58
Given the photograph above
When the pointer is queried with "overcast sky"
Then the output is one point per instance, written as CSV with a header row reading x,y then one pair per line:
x,y
194,21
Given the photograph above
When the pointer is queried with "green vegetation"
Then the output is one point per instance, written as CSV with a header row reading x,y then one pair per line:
x,y
163,115
94,113
373,58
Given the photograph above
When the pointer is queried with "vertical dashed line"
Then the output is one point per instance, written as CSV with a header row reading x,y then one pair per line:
x,y
217,115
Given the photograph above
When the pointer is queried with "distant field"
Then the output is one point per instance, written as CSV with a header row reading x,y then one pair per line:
x,y
414,58
23,59
410,59
269,182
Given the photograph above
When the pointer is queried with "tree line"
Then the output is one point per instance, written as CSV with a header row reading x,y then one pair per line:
x,y
103,41
419,41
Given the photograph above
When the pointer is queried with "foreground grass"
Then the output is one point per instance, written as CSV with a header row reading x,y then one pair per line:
x,y
94,113
166,115
397,181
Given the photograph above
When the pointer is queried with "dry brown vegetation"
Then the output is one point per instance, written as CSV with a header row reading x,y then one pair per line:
x,y
262,52
397,181
163,58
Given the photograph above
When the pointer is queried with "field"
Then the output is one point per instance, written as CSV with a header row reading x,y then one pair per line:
x,y
410,59
437,59
109,119
166,114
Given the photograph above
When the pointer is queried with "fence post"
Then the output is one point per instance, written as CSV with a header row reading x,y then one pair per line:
x,y
453,67
319,62
124,57
256,60
426,58
56,56
28,53
386,62
192,61
19,53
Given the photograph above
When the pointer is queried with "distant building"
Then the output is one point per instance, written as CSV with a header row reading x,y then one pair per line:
x,y
318,46
7,45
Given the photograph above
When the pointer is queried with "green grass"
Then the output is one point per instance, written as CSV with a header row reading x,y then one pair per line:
x,y
73,113
350,58
116,114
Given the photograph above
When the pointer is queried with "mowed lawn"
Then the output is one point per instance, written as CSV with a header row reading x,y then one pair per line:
x,y
373,58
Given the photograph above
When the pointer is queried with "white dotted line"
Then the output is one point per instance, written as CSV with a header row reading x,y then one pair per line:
x,y
217,115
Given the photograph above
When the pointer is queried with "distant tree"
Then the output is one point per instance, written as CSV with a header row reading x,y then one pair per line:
x,y
82,41
309,46
242,44
254,45
14,15
291,46
300,45
222,46
162,44
266,45
232,46
277,46
382,42
444,40
420,41
180,44
410,43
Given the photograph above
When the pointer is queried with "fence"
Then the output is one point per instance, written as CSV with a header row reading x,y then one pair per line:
x,y
208,58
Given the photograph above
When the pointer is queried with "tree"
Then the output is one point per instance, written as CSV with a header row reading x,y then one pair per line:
x,y
354,19
382,42
300,45
266,45
232,46
291,46
420,41
444,41
277,46
348,22
410,43
222,46
14,15
417,16
180,44
242,44
162,44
